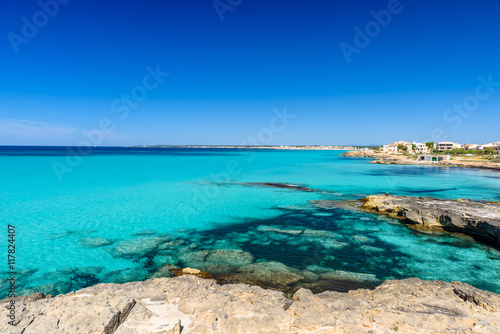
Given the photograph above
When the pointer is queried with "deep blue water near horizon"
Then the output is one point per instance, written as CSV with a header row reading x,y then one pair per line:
x,y
118,214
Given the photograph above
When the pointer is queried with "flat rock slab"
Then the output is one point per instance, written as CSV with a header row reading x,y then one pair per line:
x,y
477,219
189,304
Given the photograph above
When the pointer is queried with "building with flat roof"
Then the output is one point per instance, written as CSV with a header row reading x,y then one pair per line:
x,y
446,145
432,158
494,144
420,148
410,147
394,147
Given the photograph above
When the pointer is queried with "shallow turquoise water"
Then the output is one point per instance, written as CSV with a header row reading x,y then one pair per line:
x,y
173,195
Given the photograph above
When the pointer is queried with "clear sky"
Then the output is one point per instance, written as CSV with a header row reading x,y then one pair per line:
x,y
346,77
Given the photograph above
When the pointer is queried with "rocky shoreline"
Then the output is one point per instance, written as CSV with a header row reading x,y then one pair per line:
x,y
399,159
189,304
477,219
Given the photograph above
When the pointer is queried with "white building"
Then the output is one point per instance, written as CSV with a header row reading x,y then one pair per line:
x,y
420,148
410,147
389,149
446,145
495,144
393,148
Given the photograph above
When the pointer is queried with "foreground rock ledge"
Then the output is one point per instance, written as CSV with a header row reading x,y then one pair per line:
x,y
476,219
202,306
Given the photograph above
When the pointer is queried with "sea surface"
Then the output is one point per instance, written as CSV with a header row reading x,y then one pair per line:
x,y
122,214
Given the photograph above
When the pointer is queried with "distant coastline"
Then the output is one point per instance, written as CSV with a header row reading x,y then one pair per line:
x,y
274,147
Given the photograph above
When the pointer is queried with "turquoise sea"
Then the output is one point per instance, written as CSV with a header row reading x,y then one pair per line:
x,y
120,214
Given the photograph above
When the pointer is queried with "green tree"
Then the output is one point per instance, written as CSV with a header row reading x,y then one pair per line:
x,y
489,150
402,147
430,145
457,151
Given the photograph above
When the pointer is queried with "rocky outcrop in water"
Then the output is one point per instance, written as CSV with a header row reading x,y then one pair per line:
x,y
359,154
477,219
190,304
279,185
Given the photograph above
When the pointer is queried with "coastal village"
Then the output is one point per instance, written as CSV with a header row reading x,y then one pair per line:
x,y
431,152
430,147
445,153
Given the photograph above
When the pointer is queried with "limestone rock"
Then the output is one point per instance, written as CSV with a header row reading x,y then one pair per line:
x,y
274,275
202,306
235,257
476,219
135,248
162,259
359,154
190,271
203,258
164,271
342,275
266,228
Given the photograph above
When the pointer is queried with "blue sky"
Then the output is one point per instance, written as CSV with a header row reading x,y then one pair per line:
x,y
225,77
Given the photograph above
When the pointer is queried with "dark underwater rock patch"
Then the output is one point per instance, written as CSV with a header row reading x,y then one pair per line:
x,y
143,233
280,185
